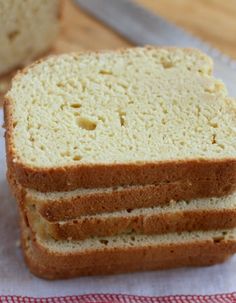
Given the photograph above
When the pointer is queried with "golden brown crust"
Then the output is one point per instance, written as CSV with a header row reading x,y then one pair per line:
x,y
53,273
142,197
128,198
109,175
159,223
51,265
68,178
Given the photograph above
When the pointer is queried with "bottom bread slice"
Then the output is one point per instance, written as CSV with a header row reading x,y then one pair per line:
x,y
199,214
52,259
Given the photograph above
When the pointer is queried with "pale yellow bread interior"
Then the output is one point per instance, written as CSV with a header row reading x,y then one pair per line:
x,y
133,106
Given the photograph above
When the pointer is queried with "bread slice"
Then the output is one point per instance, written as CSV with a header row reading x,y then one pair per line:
x,y
202,214
133,117
28,29
52,259
58,206
53,273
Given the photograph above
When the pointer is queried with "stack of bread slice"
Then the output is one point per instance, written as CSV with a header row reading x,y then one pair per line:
x,y
122,161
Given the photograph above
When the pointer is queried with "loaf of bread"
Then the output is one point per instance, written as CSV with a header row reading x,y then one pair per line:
x,y
122,161
201,214
52,259
133,117
27,30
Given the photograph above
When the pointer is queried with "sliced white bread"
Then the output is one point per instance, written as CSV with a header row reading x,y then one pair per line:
x,y
132,117
52,259
61,206
201,214
27,30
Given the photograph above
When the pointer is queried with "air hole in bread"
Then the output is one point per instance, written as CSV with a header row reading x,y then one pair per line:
x,y
218,239
165,111
77,158
103,241
123,85
60,84
86,124
105,72
111,135
213,140
101,119
122,116
213,124
163,121
12,35
75,105
167,64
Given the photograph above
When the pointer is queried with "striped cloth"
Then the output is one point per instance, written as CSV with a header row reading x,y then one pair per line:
x,y
118,298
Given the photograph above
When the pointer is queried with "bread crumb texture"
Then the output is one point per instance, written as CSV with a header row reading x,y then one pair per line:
x,y
136,105
28,28
127,241
215,204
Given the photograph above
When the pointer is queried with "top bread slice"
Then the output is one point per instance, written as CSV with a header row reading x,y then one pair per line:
x,y
132,117
28,29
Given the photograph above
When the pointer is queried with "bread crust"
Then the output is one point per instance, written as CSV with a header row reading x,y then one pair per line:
x,y
222,171
53,273
70,177
126,199
54,265
154,223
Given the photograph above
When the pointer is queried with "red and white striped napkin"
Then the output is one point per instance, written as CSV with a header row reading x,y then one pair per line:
x,y
17,285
